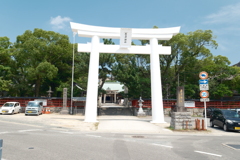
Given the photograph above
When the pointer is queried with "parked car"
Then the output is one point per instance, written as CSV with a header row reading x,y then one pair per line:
x,y
236,110
34,108
227,119
209,111
10,108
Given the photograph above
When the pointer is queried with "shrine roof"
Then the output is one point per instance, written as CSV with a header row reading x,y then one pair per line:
x,y
113,86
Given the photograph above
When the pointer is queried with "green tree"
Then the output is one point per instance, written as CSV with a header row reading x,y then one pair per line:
x,y
42,59
5,60
220,73
181,66
134,72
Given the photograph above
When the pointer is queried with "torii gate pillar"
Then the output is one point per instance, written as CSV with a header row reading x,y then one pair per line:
x,y
156,85
92,86
95,47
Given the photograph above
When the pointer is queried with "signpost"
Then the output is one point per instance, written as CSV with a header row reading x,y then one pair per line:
x,y
203,84
204,94
1,145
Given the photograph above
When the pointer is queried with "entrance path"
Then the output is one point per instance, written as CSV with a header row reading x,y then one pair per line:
x,y
111,105
130,124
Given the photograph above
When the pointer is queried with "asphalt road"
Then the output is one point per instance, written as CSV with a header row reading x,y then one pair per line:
x,y
36,140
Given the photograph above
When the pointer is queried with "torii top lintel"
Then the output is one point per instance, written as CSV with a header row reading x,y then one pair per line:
x,y
84,30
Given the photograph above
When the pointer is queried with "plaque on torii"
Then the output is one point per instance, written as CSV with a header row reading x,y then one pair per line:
x,y
125,35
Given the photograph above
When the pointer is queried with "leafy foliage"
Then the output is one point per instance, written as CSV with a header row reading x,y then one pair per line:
x,y
39,59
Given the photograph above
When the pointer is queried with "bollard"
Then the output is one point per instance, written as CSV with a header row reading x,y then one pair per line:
x,y
1,144
198,124
203,126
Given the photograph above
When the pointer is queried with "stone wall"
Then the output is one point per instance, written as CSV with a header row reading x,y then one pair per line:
x,y
195,112
181,120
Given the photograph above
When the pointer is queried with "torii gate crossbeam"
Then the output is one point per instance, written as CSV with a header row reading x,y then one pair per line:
x,y
95,47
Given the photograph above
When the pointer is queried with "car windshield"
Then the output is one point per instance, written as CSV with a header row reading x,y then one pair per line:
x,y
8,105
230,114
33,104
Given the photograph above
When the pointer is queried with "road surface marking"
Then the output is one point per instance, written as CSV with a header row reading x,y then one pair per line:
x,y
30,130
93,136
209,153
3,132
161,145
66,132
21,123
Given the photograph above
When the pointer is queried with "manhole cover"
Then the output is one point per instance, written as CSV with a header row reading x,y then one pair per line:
x,y
138,136
233,146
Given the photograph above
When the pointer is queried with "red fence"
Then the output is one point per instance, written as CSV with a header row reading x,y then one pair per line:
x,y
57,102
198,104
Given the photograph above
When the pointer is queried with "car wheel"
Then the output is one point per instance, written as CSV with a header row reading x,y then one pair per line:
x,y
211,124
225,127
12,112
26,115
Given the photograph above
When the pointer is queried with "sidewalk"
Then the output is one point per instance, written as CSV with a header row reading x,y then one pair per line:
x,y
134,125
129,124
111,124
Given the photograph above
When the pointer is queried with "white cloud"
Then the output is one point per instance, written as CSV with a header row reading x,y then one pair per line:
x,y
59,22
227,14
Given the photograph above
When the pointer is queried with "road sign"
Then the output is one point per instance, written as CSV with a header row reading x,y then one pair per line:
x,y
203,75
204,99
203,81
203,87
204,94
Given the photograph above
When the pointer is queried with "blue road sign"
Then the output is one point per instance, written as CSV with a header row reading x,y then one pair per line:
x,y
203,81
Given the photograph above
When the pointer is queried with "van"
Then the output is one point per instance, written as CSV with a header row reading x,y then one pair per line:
x,y
10,108
34,108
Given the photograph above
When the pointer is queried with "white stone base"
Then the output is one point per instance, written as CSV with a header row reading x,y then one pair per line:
x,y
158,122
89,121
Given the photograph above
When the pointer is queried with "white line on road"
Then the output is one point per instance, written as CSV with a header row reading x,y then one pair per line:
x,y
3,132
209,153
21,123
161,145
67,132
30,130
93,136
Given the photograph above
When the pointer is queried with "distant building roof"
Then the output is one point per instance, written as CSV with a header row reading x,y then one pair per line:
x,y
237,64
113,86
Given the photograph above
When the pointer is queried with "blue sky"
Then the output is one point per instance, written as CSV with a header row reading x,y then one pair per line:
x,y
220,16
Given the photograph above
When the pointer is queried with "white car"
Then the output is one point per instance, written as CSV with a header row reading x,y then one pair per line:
x,y
34,108
10,108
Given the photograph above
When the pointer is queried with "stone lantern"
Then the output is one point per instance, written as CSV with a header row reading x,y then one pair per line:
x,y
140,111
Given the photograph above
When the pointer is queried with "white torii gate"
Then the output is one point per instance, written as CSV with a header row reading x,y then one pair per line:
x,y
125,35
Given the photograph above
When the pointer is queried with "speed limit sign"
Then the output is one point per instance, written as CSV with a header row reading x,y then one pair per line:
x,y
204,94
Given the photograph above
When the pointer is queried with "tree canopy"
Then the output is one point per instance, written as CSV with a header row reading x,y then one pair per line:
x,y
41,59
